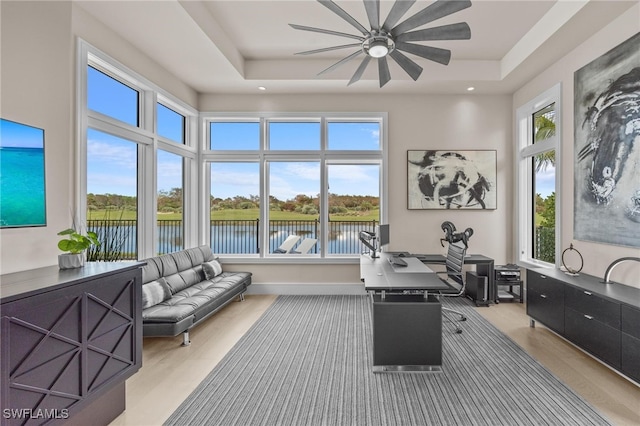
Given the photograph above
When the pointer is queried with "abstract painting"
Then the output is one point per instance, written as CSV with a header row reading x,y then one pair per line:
x,y
22,175
607,147
444,179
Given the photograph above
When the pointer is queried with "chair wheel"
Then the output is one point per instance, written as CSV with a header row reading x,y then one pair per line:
x,y
459,331
463,319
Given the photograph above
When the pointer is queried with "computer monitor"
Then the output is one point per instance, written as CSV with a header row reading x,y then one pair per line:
x,y
375,240
383,235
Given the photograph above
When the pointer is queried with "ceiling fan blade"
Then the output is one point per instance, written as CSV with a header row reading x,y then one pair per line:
x,y
328,49
344,15
436,10
459,31
358,74
414,70
442,56
320,30
383,71
373,13
340,62
397,11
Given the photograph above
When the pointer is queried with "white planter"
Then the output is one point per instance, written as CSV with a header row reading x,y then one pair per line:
x,y
70,260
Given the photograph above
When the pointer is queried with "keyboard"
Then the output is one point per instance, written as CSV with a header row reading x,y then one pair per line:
x,y
397,261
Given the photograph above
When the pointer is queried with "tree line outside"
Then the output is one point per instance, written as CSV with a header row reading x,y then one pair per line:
x,y
301,207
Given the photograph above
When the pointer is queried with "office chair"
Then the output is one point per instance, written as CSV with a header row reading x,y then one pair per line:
x,y
455,280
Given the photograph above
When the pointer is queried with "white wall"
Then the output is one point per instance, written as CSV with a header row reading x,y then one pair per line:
x,y
463,122
38,88
596,256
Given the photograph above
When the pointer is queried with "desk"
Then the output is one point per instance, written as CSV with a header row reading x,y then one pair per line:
x,y
407,319
484,268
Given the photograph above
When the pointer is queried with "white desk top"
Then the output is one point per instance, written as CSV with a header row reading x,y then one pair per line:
x,y
379,275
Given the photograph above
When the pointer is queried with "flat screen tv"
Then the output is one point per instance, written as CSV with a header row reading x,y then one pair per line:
x,y
22,176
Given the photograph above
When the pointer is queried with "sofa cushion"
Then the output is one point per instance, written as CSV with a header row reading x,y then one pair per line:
x,y
211,269
155,292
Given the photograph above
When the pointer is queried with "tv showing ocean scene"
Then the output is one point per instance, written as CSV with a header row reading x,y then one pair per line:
x,y
22,178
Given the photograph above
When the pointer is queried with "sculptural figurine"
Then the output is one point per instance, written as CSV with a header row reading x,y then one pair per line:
x,y
451,236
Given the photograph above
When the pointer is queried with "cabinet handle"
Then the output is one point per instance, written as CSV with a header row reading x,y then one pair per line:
x,y
588,293
589,317
544,277
544,296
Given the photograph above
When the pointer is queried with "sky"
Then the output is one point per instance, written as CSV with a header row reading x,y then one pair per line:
x,y
112,164
17,135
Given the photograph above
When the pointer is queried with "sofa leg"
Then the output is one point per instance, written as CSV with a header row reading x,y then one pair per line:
x,y
185,338
241,295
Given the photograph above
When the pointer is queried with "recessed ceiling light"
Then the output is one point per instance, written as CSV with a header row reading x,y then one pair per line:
x,y
471,89
262,88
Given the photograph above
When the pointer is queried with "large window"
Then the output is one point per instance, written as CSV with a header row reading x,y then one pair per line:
x,y
312,179
138,151
150,183
538,174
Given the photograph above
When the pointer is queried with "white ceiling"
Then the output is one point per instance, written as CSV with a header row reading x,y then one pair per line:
x,y
221,46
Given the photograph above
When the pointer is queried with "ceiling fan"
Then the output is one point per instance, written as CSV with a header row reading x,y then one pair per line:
x,y
390,38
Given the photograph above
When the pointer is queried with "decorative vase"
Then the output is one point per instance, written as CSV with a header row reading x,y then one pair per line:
x,y
71,260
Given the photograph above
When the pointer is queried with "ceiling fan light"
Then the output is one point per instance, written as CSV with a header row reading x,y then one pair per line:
x,y
378,49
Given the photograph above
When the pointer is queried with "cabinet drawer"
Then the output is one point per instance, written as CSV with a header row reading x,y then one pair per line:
x,y
631,322
590,304
596,337
549,310
631,357
544,285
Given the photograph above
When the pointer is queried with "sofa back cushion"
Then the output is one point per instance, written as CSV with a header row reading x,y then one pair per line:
x,y
180,270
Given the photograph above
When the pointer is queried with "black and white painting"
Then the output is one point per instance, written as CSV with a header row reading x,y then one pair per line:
x,y
451,179
607,147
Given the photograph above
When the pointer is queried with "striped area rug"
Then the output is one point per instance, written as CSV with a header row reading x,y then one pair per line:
x,y
307,361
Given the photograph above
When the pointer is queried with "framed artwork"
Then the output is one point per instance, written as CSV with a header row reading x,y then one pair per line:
x,y
22,183
448,179
607,147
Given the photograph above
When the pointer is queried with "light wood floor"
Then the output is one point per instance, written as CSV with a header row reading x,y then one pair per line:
x,y
170,372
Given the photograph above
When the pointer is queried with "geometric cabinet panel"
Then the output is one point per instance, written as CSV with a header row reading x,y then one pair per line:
x,y
60,347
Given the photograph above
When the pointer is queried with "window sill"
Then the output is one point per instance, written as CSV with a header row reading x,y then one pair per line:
x,y
289,259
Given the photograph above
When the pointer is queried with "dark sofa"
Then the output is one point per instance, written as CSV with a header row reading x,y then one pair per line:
x,y
182,289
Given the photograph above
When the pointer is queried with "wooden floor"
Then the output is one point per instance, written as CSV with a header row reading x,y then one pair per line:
x,y
170,372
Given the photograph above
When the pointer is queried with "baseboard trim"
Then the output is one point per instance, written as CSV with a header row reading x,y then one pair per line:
x,y
306,289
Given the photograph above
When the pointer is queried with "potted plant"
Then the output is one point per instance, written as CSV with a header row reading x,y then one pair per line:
x,y
74,245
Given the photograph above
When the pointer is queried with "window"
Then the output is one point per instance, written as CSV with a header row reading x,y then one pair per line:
x,y
234,135
322,177
169,203
138,148
170,124
112,195
111,97
234,207
538,176
354,200
294,136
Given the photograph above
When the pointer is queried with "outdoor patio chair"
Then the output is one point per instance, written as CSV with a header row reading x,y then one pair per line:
x,y
287,244
306,245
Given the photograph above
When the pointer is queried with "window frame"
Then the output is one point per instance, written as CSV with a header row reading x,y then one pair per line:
x,y
148,142
264,156
525,150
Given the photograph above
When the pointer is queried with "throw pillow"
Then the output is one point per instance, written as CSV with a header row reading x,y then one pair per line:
x,y
155,292
211,269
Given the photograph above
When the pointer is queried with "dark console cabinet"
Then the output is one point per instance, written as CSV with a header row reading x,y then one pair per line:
x,y
69,341
630,348
545,300
603,319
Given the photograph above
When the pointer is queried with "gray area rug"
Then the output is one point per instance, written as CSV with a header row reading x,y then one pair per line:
x,y
307,361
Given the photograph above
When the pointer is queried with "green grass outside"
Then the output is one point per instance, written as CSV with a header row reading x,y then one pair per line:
x,y
240,214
